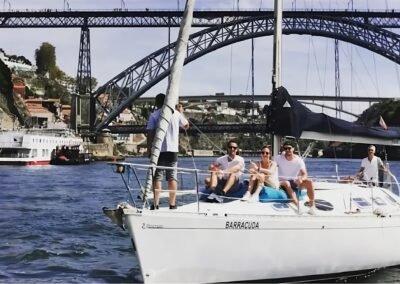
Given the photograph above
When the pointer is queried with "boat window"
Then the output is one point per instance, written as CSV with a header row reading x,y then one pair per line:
x,y
280,206
391,199
321,204
379,201
361,202
8,152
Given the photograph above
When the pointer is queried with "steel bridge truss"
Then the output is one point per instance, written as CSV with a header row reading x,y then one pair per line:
x,y
121,91
151,18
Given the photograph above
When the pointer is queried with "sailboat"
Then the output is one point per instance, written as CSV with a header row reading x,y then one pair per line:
x,y
356,227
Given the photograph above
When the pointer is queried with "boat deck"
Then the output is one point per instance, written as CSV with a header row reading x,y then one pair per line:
x,y
356,200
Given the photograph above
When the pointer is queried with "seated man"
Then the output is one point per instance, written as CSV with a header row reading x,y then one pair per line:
x,y
226,173
293,175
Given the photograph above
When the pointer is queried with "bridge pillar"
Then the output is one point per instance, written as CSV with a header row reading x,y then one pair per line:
x,y
85,102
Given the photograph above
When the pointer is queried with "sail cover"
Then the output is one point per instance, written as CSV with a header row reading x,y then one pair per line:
x,y
288,117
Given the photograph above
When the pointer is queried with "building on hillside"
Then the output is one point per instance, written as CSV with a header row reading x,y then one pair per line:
x,y
225,109
15,64
43,112
126,116
66,113
18,85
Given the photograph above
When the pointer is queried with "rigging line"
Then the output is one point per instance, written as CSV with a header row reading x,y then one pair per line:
x,y
316,64
326,64
308,64
248,80
231,60
190,149
396,67
252,80
354,73
206,137
351,70
376,75
397,75
251,70
366,69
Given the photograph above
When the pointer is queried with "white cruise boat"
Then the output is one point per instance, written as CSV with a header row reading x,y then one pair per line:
x,y
33,146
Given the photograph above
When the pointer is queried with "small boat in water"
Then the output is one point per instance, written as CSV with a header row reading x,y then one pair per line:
x,y
33,146
354,228
70,155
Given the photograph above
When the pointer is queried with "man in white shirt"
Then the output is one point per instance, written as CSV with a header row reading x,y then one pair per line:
x,y
293,175
169,151
370,166
226,173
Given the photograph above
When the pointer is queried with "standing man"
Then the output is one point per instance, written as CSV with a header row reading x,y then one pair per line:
x,y
293,175
370,167
226,173
169,151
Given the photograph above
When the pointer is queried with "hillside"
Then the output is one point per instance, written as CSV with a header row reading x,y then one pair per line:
x,y
8,111
20,80
56,84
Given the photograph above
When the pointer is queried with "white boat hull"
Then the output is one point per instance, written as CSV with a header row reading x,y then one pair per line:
x,y
33,146
190,247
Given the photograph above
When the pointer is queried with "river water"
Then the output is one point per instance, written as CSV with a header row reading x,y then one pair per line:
x,y
52,228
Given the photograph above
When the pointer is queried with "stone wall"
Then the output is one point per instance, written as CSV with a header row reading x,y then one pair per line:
x,y
104,149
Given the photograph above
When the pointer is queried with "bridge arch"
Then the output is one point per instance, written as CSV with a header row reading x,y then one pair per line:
x,y
134,81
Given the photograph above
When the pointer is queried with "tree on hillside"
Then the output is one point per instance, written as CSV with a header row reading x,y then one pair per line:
x,y
5,79
46,60
389,109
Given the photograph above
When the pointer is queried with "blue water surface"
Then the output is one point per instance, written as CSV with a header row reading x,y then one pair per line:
x,y
52,228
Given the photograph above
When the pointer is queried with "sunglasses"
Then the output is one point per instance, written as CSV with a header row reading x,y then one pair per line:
x,y
287,148
264,153
232,147
370,150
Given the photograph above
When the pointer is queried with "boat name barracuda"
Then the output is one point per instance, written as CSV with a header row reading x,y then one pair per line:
x,y
242,225
149,226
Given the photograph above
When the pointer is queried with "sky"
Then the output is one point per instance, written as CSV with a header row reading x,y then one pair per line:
x,y
307,68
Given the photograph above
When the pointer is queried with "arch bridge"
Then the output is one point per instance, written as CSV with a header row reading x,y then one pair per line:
x,y
130,84
364,28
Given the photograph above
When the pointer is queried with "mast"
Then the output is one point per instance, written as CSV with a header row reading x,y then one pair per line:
x,y
252,80
277,47
172,95
277,62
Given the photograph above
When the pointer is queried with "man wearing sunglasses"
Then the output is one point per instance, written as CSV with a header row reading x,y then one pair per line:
x,y
293,175
226,173
370,167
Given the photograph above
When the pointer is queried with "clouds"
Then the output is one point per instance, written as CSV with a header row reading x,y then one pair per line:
x,y
308,62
